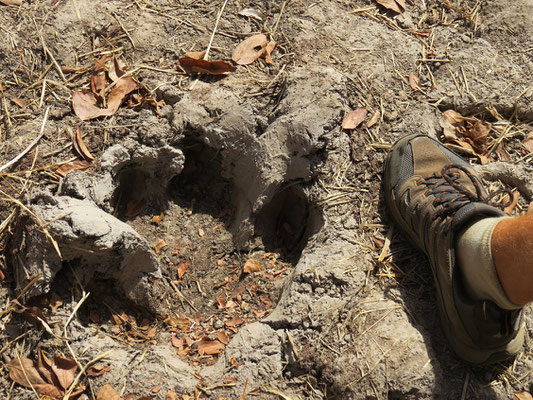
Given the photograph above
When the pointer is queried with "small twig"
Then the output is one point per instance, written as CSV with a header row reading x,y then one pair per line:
x,y
125,30
270,389
30,146
206,55
279,17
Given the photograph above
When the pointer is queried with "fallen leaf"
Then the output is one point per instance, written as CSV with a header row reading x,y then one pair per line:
x,y
84,105
98,369
17,101
354,118
24,373
122,88
99,83
478,132
171,395
11,2
197,55
182,267
157,219
134,208
250,49
72,165
450,122
374,119
234,322
44,366
210,347
116,72
80,146
178,343
108,393
414,81
391,5
65,370
159,246
501,152
528,142
268,52
221,302
221,336
251,265
522,395
190,65
251,12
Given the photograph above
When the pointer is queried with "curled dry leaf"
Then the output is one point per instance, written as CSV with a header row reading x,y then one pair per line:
x,y
124,86
84,105
24,373
251,265
354,118
268,52
65,370
210,347
98,369
197,55
159,246
478,132
250,49
414,81
73,165
393,5
522,395
80,146
171,395
108,393
451,121
11,2
221,336
234,322
182,267
190,65
374,119
528,142
251,12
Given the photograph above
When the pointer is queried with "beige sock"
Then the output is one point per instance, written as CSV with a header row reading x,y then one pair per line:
x,y
474,256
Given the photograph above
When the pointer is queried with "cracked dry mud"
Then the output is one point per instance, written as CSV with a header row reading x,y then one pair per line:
x,y
251,166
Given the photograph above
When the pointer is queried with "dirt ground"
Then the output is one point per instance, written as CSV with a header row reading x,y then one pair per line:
x,y
229,240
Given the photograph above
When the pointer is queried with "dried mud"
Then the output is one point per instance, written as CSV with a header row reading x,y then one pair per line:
x,y
252,166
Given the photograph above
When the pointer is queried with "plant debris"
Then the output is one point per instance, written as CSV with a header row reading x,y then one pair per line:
x,y
191,65
354,118
394,5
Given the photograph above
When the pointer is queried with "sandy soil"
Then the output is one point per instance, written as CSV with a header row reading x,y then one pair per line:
x,y
229,240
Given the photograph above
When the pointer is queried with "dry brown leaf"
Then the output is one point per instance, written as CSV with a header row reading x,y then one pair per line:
x,y
98,369
414,81
478,132
251,12
24,373
124,86
522,395
234,322
65,370
190,65
251,265
134,207
159,246
171,395
11,2
17,101
116,70
49,390
157,219
501,152
108,393
44,366
391,5
80,146
450,122
99,83
73,165
528,142
197,55
210,347
84,105
268,52
250,49
354,118
221,336
374,119
182,267
401,3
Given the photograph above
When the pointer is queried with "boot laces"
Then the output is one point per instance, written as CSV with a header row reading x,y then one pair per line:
x,y
451,195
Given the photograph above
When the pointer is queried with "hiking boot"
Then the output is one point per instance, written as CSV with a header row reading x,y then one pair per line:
x,y
432,193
